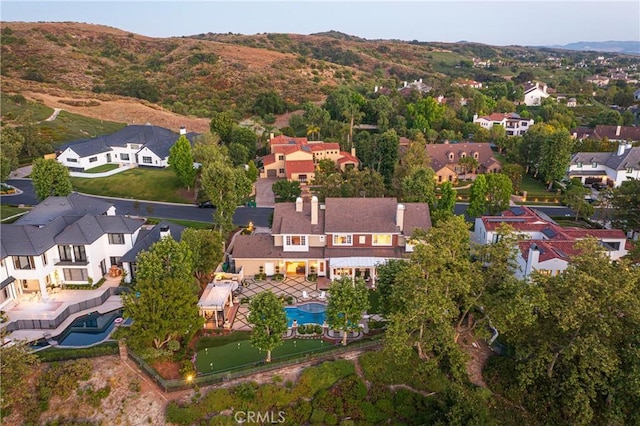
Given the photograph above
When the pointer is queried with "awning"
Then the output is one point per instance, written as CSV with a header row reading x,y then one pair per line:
x,y
6,282
215,296
587,173
356,262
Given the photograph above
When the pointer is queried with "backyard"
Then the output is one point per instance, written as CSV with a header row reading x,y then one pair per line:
x,y
102,168
139,183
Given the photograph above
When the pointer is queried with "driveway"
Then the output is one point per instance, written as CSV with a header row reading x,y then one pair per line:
x,y
264,194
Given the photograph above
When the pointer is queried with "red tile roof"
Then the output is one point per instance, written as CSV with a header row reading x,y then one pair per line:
x,y
268,159
550,249
347,158
301,166
287,140
323,146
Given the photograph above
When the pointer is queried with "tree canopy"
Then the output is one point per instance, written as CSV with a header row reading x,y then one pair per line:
x,y
50,178
181,161
268,320
347,302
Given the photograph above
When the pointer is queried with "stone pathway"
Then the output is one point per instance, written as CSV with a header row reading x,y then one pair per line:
x,y
53,116
264,195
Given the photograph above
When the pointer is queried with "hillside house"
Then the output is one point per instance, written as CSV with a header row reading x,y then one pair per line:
x,y
134,145
547,247
341,237
296,158
534,93
613,133
445,160
610,168
513,124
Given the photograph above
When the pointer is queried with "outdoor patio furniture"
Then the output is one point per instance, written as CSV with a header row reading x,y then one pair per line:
x,y
323,295
305,295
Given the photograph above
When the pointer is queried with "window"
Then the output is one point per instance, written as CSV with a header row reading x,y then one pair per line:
x,y
296,240
382,239
23,262
134,146
115,260
79,254
116,238
146,160
93,159
594,164
463,155
65,253
281,157
281,171
302,178
579,164
124,157
362,239
342,239
475,155
44,258
450,156
72,160
75,274
629,169
544,272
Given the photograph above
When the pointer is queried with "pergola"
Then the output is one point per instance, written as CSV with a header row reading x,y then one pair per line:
x,y
214,299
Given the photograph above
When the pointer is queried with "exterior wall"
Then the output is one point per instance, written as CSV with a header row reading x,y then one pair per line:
x,y
308,179
555,266
298,156
155,160
277,241
250,267
37,277
362,241
116,156
277,166
317,240
445,174
82,162
535,97
616,176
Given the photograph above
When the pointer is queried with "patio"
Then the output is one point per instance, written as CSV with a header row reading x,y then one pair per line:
x,y
290,286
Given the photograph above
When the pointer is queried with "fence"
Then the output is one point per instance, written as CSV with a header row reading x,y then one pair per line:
x,y
49,324
260,367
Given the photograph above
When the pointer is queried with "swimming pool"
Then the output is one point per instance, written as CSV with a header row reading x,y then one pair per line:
x,y
308,313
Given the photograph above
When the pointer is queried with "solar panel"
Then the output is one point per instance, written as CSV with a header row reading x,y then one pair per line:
x,y
518,211
549,233
560,252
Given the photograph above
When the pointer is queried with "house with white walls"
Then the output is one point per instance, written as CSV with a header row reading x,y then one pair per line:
x,y
513,124
337,238
534,93
134,145
609,168
546,247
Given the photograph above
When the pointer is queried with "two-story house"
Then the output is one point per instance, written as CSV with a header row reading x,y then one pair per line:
x,y
609,168
513,124
134,145
534,93
547,247
296,158
342,237
446,160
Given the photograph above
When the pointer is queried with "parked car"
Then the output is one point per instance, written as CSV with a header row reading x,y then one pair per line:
x,y
206,205
598,186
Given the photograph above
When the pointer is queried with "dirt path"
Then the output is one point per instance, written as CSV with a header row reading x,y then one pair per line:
x,y
480,353
53,116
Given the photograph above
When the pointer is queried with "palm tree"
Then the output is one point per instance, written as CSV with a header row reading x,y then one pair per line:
x,y
313,129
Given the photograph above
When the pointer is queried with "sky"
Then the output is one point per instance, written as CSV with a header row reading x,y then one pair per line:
x,y
513,22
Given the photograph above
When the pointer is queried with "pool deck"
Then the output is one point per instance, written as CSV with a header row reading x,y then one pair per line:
x,y
27,307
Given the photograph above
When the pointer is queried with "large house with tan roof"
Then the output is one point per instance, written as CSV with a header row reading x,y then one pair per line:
x,y
547,247
445,160
296,158
340,237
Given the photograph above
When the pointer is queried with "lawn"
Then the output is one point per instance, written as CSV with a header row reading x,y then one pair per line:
x,y
11,109
139,183
191,223
535,188
8,211
103,168
68,127
237,354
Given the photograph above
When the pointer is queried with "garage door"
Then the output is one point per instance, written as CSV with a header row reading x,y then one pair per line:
x,y
272,173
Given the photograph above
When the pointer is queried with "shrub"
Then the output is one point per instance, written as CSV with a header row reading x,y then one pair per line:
x,y
322,377
173,345
181,415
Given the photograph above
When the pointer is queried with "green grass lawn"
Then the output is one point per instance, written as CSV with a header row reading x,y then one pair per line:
x,y
236,354
139,183
193,223
535,187
68,127
11,110
8,211
103,168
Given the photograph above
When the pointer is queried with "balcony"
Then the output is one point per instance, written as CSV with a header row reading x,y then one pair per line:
x,y
69,262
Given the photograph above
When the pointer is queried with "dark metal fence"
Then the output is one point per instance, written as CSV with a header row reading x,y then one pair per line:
x,y
49,324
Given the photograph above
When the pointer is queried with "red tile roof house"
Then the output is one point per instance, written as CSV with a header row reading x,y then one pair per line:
x,y
548,246
342,237
296,158
445,160
512,122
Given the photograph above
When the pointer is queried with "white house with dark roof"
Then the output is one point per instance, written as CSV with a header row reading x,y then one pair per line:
x,y
609,168
547,247
513,124
340,237
534,93
70,240
136,144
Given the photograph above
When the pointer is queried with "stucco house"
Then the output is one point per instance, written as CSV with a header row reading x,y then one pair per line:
x,y
547,247
68,240
613,133
610,168
142,145
445,160
534,93
340,237
296,158
513,124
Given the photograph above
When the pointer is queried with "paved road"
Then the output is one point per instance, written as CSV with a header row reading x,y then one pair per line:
x,y
242,216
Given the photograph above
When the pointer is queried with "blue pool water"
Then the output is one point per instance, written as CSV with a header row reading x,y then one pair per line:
x,y
308,313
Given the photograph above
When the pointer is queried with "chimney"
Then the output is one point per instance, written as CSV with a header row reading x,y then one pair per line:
x,y
621,148
353,151
618,130
475,117
183,130
314,210
628,145
165,232
532,258
271,135
404,84
400,217
420,81
375,89
299,204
